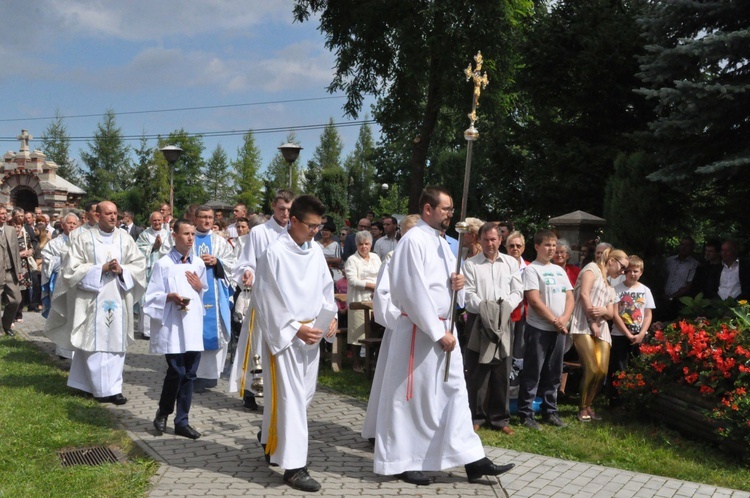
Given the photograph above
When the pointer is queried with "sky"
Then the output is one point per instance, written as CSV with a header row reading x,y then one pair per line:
x,y
82,57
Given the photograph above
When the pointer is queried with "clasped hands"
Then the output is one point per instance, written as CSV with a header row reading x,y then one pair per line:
x,y
112,267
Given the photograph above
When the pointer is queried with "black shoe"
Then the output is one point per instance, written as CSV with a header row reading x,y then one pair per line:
x,y
530,423
115,399
415,477
9,332
485,467
266,455
553,419
185,431
300,479
249,402
160,422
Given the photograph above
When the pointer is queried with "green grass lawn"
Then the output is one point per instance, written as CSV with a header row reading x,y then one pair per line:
x,y
40,415
622,440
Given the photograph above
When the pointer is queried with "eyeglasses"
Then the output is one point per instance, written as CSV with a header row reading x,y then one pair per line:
x,y
449,210
623,267
310,226
515,246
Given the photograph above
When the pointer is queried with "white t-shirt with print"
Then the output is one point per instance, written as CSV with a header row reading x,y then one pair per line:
x,y
632,301
552,283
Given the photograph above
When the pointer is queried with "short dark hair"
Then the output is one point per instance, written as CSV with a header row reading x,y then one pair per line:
x,y
90,204
202,208
179,223
489,226
541,235
506,224
715,243
284,195
378,224
392,218
431,195
241,219
306,204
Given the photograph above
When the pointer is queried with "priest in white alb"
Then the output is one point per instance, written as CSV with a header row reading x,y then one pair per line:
x,y
219,259
154,242
101,278
250,248
52,255
424,423
295,306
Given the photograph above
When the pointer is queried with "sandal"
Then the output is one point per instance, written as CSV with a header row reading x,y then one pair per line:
x,y
583,416
593,414
359,370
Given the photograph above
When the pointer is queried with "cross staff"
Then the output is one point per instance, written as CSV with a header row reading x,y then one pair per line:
x,y
471,135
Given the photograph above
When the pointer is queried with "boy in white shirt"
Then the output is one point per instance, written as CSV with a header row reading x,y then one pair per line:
x,y
550,298
634,304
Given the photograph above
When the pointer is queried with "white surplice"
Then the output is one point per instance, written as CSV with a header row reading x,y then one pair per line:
x,y
250,248
145,244
386,315
292,285
179,331
93,312
52,255
423,423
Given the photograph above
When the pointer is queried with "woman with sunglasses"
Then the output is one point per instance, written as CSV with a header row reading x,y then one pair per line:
x,y
594,305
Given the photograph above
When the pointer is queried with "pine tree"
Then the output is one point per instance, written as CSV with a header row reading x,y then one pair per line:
x,y
107,160
325,177
247,181
219,176
360,167
56,146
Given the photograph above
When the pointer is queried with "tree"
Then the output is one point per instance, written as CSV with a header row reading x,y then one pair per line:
x,y
56,145
218,176
189,182
325,177
248,184
107,160
577,104
411,55
150,183
360,166
696,75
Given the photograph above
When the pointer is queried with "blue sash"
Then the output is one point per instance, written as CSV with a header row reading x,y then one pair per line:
x,y
215,299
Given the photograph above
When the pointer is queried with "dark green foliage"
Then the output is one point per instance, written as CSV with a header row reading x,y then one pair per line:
x,y
108,160
247,181
56,145
218,175
189,184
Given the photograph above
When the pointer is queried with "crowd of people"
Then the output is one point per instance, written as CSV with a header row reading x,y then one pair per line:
x,y
258,297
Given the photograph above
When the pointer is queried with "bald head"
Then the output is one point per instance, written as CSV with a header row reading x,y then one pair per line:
x,y
107,211
155,221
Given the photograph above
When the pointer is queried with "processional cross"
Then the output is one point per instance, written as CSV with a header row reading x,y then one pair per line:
x,y
480,83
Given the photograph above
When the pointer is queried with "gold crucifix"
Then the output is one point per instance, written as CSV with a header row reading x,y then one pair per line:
x,y
480,82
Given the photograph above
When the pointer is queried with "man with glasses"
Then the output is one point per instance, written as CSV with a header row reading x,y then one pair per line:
x,y
219,259
424,423
350,245
293,286
250,251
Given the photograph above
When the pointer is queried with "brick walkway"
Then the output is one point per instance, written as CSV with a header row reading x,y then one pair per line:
x,y
227,459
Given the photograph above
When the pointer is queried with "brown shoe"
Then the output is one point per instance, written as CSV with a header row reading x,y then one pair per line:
x,y
507,430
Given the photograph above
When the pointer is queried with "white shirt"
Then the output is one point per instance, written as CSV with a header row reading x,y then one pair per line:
x,y
729,283
492,280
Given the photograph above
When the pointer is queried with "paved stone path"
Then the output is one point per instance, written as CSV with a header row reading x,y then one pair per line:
x,y
227,460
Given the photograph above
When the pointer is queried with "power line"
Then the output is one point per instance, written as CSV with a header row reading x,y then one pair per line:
x,y
224,133
177,109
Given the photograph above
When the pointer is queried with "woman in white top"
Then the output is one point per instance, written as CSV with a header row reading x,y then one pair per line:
x,y
594,305
361,273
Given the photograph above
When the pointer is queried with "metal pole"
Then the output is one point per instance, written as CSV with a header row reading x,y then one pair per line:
x,y
171,189
471,135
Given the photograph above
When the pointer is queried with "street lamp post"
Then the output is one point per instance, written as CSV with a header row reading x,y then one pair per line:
x,y
172,154
290,152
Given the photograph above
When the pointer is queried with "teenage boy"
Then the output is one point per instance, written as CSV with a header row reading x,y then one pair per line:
x,y
292,286
634,305
174,299
549,295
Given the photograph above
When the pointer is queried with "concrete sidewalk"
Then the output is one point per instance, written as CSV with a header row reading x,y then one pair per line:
x,y
227,460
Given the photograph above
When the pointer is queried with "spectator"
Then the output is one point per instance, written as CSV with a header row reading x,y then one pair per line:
x,y
734,276
633,313
588,253
361,273
387,243
331,249
707,272
562,256
680,269
504,229
470,239
350,246
516,245
377,230
594,305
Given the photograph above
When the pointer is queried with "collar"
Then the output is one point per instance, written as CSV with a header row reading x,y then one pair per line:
x,y
176,257
734,263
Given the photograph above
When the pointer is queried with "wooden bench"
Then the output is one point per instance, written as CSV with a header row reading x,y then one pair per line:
x,y
373,337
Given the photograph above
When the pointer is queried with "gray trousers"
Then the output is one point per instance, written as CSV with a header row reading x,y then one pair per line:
x,y
542,370
11,297
488,385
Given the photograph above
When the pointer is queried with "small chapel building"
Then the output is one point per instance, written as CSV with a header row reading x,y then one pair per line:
x,y
28,180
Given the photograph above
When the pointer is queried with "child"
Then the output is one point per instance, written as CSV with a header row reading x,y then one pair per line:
x,y
550,298
634,304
